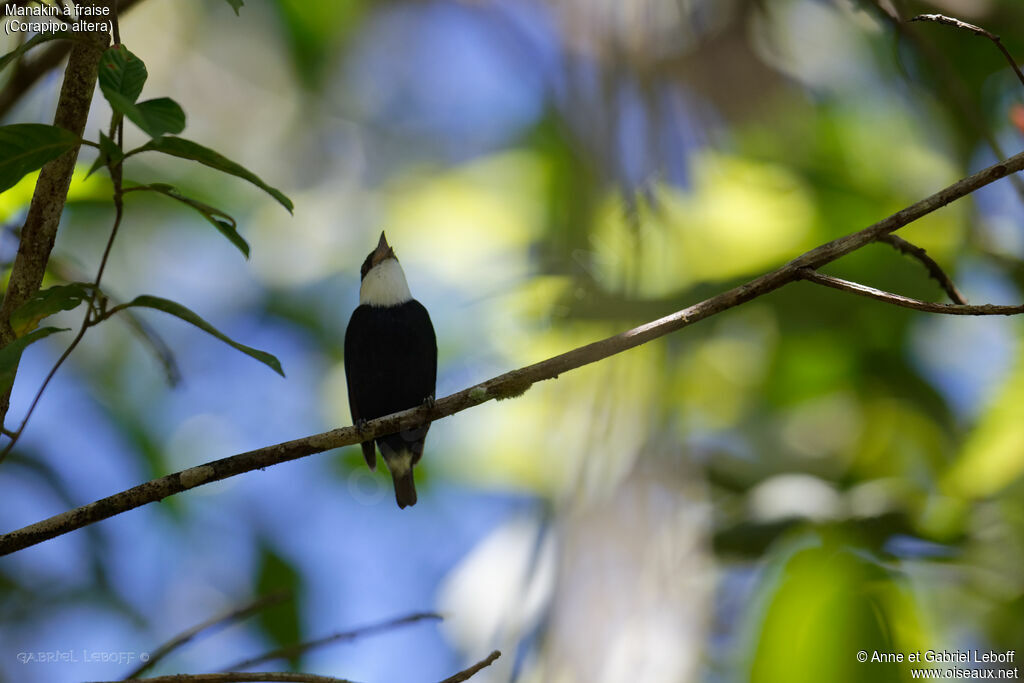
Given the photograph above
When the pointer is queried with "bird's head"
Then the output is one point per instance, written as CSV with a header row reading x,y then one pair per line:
x,y
378,256
383,281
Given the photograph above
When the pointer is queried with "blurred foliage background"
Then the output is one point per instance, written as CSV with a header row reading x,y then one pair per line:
x,y
755,498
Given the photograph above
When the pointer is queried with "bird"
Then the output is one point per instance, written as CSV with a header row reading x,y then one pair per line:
x,y
390,364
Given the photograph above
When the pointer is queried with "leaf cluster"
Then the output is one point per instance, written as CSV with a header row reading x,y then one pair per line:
x,y
27,147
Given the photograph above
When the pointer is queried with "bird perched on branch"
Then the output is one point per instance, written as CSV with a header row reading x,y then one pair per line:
x,y
390,364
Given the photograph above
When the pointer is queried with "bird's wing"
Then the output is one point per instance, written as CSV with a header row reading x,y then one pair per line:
x,y
423,348
369,448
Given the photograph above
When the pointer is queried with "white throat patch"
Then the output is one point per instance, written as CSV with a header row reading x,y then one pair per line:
x,y
385,285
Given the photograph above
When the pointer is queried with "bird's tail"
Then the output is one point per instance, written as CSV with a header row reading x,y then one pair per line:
x,y
405,488
399,462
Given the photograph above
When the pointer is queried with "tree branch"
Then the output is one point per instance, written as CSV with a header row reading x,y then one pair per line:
x,y
40,230
934,269
91,317
471,671
976,30
508,385
222,620
302,648
906,302
950,81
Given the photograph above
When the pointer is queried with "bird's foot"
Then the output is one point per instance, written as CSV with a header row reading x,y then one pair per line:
x,y
360,425
429,402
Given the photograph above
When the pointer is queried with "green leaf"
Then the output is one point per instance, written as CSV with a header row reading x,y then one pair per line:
x,y
155,117
161,116
121,76
821,599
25,147
220,220
280,622
186,149
37,39
46,302
236,5
110,153
11,354
179,311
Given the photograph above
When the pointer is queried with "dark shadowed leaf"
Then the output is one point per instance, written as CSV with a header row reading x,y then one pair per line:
x,y
155,117
11,354
186,149
110,152
25,147
179,311
160,116
236,5
220,220
121,75
280,622
46,302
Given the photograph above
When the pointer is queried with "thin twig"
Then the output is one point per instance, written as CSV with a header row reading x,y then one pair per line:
x,y
184,637
116,31
301,648
67,273
504,386
934,269
950,80
472,671
976,30
906,302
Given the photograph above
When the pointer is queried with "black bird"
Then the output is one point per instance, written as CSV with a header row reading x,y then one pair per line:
x,y
390,364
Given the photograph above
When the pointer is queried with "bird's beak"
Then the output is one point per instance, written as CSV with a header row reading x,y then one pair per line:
x,y
383,250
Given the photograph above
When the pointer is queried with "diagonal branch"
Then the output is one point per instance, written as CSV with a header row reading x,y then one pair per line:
x,y
934,269
301,648
906,302
471,671
508,385
221,620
